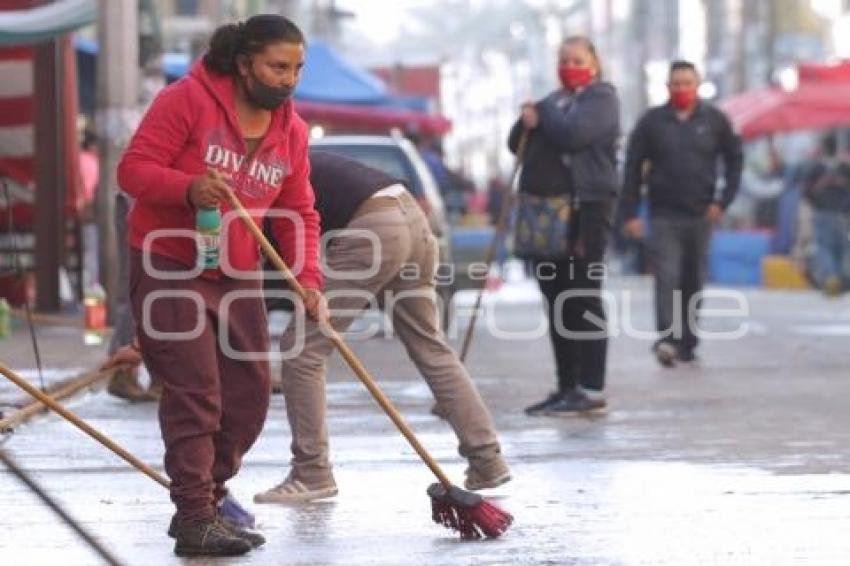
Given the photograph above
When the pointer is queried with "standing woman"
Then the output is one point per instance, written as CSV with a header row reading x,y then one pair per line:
x,y
572,137
228,126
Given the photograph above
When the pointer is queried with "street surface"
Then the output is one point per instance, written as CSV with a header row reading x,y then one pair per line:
x,y
742,460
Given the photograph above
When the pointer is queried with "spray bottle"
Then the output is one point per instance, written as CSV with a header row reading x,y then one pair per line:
x,y
208,226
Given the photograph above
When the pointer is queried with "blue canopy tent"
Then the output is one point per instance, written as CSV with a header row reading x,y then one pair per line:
x,y
327,78
330,78
331,90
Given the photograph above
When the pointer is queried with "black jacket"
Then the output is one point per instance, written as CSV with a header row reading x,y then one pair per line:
x,y
341,185
581,131
827,185
682,158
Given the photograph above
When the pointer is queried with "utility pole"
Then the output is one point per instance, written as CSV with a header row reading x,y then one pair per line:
x,y
51,182
640,33
117,114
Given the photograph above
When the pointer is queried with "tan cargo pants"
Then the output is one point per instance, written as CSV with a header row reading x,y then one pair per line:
x,y
402,271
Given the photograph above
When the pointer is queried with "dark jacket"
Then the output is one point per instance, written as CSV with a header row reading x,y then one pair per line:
x,y
827,185
682,158
545,169
341,185
581,131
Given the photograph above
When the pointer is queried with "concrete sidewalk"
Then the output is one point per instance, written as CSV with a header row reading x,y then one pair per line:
x,y
63,354
742,460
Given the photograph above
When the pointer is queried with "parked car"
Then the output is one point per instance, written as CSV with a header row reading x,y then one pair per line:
x,y
398,157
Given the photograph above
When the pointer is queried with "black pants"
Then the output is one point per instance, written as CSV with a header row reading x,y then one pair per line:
x,y
679,249
572,290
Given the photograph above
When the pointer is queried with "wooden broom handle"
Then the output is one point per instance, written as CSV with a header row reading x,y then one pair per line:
x,y
54,406
337,340
501,229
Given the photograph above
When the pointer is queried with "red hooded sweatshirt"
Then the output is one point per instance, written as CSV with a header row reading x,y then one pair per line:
x,y
191,127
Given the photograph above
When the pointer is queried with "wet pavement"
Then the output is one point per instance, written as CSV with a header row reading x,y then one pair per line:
x,y
742,460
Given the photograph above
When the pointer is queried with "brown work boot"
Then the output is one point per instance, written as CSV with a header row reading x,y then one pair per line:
x,y
125,384
207,538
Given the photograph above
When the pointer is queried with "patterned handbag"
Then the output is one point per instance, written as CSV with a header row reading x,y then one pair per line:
x,y
540,229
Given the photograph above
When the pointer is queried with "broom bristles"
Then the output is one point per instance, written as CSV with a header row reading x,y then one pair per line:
x,y
467,513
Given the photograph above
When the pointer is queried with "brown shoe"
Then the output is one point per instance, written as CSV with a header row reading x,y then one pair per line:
x,y
486,475
206,538
125,384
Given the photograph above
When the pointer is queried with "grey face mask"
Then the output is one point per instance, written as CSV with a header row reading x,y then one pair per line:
x,y
264,96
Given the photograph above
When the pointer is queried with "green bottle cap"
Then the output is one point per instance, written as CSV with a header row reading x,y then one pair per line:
x,y
208,219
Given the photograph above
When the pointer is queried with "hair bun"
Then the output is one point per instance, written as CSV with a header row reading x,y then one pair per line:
x,y
224,44
247,38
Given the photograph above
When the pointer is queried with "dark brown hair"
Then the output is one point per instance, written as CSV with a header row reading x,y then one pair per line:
x,y
247,38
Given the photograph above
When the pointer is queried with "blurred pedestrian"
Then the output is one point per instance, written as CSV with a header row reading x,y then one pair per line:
x,y
570,154
228,126
89,181
497,192
827,189
682,142
89,172
394,268
125,380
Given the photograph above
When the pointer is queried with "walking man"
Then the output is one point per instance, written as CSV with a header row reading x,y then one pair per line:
x,y
678,146
827,189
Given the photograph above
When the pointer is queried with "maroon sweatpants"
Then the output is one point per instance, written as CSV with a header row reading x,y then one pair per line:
x,y
213,406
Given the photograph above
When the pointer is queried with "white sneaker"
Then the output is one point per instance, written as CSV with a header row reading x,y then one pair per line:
x,y
294,491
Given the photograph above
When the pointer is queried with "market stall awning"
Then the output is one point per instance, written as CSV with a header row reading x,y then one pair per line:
x,y
329,77
34,25
336,93
812,106
824,72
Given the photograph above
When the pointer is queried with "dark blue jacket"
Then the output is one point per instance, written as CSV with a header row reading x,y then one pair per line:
x,y
585,130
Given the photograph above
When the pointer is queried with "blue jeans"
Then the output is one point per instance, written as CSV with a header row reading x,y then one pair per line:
x,y
832,254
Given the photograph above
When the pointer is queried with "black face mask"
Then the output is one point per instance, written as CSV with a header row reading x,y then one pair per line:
x,y
264,96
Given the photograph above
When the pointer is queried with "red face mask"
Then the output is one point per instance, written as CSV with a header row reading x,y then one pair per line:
x,y
683,99
573,78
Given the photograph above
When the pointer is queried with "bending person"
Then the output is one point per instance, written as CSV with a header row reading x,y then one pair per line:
x,y
355,198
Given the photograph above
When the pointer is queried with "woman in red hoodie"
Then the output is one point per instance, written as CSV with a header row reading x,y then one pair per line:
x,y
228,126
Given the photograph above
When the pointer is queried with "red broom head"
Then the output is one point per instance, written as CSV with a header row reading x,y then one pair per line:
x,y
468,513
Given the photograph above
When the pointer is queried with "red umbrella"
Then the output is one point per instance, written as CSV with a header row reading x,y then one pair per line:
x,y
812,106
